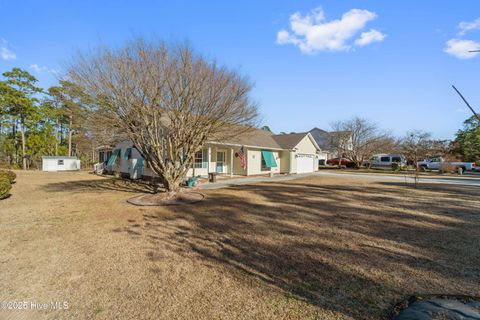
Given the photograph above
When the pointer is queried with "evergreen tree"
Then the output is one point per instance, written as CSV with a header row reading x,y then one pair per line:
x,y
19,97
468,139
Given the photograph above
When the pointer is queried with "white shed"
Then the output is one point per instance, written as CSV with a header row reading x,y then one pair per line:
x,y
60,163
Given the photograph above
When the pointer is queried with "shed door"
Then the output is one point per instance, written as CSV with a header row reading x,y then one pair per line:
x,y
49,165
305,163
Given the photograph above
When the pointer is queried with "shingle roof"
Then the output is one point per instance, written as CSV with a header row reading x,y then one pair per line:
x,y
322,137
289,141
255,137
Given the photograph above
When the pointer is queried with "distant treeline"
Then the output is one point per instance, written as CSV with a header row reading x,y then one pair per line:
x,y
63,120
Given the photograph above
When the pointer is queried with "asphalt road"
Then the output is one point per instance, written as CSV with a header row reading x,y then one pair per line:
x,y
463,181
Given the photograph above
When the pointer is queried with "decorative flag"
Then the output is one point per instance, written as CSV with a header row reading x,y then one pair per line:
x,y
243,161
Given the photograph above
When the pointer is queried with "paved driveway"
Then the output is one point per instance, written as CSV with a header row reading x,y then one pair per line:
x,y
463,181
255,179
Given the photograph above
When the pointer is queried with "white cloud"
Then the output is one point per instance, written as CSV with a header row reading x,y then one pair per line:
x,y
313,33
469,26
5,52
370,37
41,69
461,48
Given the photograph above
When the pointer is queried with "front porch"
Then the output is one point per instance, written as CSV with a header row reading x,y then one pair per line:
x,y
222,160
225,160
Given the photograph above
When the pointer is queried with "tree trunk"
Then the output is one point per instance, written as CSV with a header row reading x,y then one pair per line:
x,y
56,138
70,137
171,185
14,138
24,156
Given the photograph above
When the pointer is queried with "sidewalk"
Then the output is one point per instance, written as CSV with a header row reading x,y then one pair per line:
x,y
250,180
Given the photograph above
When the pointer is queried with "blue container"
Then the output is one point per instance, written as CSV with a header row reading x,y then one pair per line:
x,y
191,182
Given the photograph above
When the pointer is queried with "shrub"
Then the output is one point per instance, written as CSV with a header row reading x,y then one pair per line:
x,y
5,186
9,174
447,167
396,166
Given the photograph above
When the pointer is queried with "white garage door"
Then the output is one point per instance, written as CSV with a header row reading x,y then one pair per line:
x,y
305,163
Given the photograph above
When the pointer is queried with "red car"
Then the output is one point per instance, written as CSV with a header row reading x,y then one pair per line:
x,y
340,162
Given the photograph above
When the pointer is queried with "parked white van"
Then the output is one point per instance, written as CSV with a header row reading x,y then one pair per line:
x,y
386,160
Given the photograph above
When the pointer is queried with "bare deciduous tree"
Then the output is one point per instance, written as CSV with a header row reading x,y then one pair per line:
x,y
168,100
358,139
417,144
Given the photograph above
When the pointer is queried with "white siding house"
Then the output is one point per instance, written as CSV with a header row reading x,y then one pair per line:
x,y
264,153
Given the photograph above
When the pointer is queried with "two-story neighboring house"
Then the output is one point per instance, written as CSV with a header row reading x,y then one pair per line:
x,y
332,143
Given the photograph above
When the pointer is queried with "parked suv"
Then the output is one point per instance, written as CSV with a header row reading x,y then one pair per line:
x,y
386,160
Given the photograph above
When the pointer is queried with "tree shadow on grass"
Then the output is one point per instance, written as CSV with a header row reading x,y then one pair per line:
x,y
354,249
101,185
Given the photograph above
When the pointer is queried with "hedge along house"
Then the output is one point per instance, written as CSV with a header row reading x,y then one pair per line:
x,y
253,153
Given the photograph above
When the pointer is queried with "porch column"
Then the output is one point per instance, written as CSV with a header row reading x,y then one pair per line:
x,y
246,160
231,162
209,160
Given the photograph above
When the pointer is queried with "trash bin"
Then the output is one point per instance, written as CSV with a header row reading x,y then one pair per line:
x,y
212,177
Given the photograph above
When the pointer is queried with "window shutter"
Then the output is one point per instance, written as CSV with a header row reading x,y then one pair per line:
x,y
112,159
127,153
269,159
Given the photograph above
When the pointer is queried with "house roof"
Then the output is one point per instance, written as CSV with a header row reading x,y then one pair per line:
x,y
322,137
253,138
289,141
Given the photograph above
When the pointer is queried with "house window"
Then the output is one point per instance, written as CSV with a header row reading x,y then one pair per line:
x,y
60,162
268,160
198,159
385,159
264,165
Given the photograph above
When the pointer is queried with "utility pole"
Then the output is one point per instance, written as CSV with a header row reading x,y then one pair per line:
x,y
466,102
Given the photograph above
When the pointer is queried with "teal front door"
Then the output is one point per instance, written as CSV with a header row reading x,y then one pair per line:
x,y
220,161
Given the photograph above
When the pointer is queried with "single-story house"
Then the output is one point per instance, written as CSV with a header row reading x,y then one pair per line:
x,y
60,163
262,153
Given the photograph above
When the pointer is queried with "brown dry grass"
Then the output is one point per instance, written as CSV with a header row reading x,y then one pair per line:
x,y
315,248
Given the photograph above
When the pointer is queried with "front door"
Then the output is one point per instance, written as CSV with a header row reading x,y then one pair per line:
x,y
220,161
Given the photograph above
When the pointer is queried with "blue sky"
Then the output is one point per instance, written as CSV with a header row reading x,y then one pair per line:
x,y
316,71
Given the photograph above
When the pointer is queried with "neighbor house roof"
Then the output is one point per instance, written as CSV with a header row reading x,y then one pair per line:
x,y
322,137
